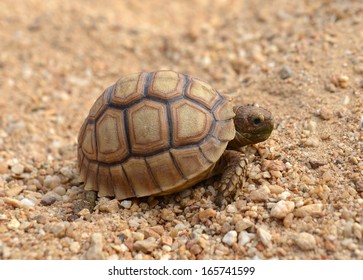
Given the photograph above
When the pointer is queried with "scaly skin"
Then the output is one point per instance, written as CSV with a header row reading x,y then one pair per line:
x,y
253,125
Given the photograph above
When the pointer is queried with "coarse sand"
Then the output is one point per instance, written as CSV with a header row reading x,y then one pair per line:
x,y
302,60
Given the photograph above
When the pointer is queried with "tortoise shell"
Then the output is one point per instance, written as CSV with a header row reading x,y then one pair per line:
x,y
153,134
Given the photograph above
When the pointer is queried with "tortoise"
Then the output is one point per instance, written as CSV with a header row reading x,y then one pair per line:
x,y
156,133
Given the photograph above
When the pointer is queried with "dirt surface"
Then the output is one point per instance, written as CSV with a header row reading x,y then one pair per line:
x,y
303,60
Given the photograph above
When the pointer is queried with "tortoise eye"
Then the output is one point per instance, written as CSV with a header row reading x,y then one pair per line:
x,y
257,120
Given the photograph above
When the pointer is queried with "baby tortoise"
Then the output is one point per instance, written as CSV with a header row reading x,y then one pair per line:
x,y
155,133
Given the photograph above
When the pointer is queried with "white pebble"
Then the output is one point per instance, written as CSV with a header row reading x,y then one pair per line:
x,y
126,204
123,248
230,237
265,236
134,222
27,203
284,195
231,208
244,237
282,208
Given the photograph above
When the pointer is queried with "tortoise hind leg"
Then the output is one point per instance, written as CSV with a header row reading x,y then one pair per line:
x,y
233,167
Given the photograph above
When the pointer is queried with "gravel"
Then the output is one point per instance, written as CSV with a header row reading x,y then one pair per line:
x,y
94,252
285,72
314,210
303,196
146,246
305,241
261,194
282,209
230,237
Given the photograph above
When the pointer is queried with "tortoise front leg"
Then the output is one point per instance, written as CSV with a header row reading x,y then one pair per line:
x,y
233,166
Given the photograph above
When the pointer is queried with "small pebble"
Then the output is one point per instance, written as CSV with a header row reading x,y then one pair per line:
x,y
50,198
359,186
60,190
207,213
330,87
3,167
159,229
288,220
230,237
357,231
314,210
260,195
275,165
167,215
26,203
3,217
305,241
243,224
275,189
166,240
317,163
13,224
148,232
134,222
325,113
195,249
94,252
231,208
123,248
51,182
17,168
358,69
126,204
59,229
185,193
147,245
282,208
284,195
265,236
137,236
109,206
285,72
41,219
244,237
84,212
13,202
75,247
343,81
349,244
312,126
67,172
312,141
14,190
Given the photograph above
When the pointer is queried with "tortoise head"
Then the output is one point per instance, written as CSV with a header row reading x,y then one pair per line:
x,y
253,125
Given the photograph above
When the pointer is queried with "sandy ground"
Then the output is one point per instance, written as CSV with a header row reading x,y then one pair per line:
x,y
303,60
